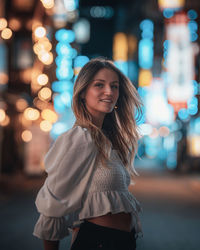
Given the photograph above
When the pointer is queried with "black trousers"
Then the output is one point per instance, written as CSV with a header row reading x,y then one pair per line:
x,y
95,237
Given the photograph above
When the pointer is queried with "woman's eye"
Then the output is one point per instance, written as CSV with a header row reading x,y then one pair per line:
x,y
99,85
115,87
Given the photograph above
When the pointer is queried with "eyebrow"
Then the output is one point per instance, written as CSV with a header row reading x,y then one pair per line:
x,y
104,81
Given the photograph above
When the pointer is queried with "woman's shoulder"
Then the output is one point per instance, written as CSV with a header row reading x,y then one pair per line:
x,y
76,135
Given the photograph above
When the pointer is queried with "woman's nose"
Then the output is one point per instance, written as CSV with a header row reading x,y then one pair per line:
x,y
108,90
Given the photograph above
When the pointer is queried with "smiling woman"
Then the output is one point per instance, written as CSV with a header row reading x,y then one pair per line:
x,y
90,166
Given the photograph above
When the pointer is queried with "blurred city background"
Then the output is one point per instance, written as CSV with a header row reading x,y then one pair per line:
x,y
43,45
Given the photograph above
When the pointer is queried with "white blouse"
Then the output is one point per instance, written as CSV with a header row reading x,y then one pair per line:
x,y
78,188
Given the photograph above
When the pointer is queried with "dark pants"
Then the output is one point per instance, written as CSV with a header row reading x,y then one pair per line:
x,y
95,237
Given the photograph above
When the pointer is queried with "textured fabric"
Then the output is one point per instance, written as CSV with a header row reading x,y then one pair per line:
x,y
78,188
51,228
94,237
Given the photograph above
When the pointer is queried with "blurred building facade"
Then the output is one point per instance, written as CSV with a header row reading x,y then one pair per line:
x,y
44,44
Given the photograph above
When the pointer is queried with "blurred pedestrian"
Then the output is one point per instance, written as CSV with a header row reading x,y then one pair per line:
x,y
90,166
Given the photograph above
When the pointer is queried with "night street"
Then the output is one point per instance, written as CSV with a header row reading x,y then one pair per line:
x,y
85,84
171,218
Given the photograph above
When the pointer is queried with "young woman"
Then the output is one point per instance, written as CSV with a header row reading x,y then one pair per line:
x,y
89,166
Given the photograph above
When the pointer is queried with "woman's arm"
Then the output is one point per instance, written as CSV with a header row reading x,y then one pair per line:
x,y
51,245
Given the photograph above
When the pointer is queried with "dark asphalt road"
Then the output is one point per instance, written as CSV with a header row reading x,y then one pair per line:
x,y
171,213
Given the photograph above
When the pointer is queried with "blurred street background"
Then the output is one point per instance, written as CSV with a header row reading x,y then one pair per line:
x,y
43,46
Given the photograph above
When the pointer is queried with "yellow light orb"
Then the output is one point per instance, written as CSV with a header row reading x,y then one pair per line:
x,y
40,32
47,45
42,79
31,114
14,24
6,33
3,23
37,48
21,104
45,93
48,4
45,126
26,135
49,115
46,57
6,121
2,115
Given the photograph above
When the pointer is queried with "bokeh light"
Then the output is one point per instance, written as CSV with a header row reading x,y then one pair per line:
x,y
45,126
49,115
2,115
14,24
26,135
45,93
40,32
3,23
21,104
31,114
6,33
42,79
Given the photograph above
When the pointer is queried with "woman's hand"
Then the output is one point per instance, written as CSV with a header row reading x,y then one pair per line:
x,y
51,245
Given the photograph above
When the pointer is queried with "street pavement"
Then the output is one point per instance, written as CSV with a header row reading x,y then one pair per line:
x,y
170,217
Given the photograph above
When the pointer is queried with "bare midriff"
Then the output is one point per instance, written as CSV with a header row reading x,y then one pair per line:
x,y
121,221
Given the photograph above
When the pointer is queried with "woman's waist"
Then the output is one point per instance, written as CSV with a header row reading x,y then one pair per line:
x,y
121,221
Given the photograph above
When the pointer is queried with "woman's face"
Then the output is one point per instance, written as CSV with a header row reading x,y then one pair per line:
x,y
102,94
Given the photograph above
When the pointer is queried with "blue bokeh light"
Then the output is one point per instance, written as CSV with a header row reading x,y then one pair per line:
x,y
192,25
147,33
183,114
58,128
64,73
61,86
80,61
193,36
192,14
168,13
193,110
146,53
66,98
63,61
64,35
64,49
166,44
196,87
146,24
59,106
196,125
123,66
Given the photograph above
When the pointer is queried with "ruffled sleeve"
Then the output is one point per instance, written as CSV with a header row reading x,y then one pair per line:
x,y
69,164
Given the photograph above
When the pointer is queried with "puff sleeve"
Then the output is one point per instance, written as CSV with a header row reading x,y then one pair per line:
x,y
69,164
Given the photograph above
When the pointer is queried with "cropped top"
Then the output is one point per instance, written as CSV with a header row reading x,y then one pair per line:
x,y
77,187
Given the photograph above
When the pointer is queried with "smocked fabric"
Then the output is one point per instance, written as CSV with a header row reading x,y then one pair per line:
x,y
78,188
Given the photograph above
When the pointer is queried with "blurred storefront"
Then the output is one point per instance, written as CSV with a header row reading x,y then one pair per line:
x,y
43,45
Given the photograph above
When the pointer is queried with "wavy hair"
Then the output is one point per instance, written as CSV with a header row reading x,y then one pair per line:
x,y
119,129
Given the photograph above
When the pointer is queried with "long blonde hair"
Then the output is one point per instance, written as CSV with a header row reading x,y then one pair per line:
x,y
119,129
